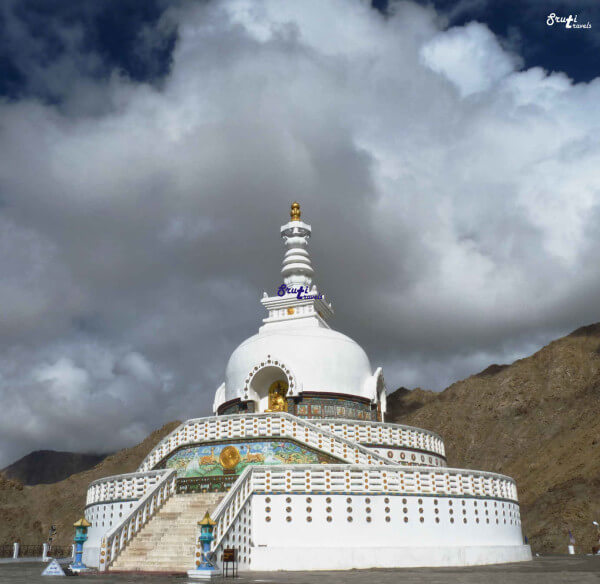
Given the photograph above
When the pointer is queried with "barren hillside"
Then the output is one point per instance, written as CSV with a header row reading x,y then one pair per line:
x,y
26,513
536,420
49,466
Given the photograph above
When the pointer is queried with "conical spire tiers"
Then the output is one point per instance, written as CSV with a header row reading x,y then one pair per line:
x,y
296,302
297,269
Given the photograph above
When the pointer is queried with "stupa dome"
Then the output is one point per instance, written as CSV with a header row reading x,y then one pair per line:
x,y
312,358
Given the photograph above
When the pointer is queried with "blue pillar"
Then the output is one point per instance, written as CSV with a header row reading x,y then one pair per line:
x,y
205,568
80,538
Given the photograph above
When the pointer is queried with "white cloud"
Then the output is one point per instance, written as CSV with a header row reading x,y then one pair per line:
x,y
63,379
470,57
453,199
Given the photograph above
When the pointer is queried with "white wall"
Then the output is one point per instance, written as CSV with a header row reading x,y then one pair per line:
x,y
340,558
327,531
103,517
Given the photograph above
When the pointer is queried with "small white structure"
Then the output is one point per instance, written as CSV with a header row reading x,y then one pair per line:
x,y
53,569
311,476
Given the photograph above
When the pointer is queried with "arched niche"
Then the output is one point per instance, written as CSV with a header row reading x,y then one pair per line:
x,y
270,377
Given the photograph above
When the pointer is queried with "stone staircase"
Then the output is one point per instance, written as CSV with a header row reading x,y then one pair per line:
x,y
167,542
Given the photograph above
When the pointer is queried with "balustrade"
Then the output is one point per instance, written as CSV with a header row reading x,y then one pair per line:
x,y
280,425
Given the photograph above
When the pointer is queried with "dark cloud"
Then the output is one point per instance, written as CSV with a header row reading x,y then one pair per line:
x,y
453,194
54,50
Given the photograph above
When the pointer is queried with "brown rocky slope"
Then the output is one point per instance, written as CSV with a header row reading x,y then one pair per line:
x,y
537,420
49,466
26,513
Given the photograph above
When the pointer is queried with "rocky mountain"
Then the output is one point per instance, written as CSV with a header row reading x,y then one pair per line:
x,y
27,512
537,420
49,466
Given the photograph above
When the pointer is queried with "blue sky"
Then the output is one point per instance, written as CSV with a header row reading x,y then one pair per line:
x,y
113,32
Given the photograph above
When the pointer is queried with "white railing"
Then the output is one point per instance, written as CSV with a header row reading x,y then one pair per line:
x,y
276,425
116,539
385,434
408,456
369,479
357,479
229,508
130,486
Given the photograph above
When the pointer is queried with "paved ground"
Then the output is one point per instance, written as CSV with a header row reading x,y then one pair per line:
x,y
543,570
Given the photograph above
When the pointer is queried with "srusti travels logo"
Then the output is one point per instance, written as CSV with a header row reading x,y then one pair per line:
x,y
283,290
569,21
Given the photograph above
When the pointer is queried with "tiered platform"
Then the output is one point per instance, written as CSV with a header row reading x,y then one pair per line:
x,y
363,508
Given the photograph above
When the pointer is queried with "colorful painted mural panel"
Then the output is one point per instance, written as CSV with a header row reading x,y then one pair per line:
x,y
332,407
217,460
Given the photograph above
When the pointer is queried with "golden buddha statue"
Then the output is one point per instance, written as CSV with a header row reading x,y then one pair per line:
x,y
277,400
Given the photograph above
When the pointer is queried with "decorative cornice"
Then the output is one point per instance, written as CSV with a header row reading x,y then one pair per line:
x,y
334,395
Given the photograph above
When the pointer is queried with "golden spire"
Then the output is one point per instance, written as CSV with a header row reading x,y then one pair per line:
x,y
295,212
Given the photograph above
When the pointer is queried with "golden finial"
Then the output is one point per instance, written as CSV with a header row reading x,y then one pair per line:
x,y
207,520
83,522
295,212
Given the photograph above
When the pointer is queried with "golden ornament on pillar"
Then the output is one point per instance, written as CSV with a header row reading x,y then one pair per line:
x,y
83,522
295,212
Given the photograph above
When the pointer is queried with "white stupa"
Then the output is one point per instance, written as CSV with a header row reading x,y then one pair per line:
x,y
297,347
298,468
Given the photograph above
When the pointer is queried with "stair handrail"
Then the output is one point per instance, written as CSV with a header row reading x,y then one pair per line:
x,y
286,422
117,537
242,487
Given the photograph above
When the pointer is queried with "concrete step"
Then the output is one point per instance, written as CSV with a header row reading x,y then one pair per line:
x,y
177,560
181,535
178,547
167,569
181,560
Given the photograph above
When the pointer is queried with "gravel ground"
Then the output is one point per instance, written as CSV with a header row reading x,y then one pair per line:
x,y
542,570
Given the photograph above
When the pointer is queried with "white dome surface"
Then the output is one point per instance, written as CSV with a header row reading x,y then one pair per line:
x,y
318,359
